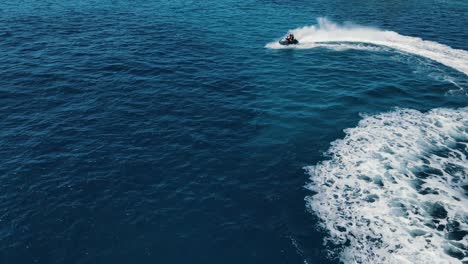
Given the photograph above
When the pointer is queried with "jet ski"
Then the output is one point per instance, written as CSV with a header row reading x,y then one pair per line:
x,y
286,42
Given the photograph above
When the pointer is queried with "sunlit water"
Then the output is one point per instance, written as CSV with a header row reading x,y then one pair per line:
x,y
181,132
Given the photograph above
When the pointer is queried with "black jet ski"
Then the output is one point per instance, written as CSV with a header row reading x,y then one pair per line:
x,y
285,42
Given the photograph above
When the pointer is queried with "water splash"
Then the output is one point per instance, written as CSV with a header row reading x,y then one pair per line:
x,y
395,189
325,31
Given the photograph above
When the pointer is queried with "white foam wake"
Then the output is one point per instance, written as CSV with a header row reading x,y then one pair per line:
x,y
327,31
395,189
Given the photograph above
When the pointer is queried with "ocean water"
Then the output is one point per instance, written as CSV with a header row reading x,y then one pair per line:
x,y
141,131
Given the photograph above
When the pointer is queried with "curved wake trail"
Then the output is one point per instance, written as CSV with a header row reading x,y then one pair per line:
x,y
396,189
327,31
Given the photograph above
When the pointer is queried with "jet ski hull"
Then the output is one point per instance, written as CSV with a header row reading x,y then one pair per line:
x,y
286,43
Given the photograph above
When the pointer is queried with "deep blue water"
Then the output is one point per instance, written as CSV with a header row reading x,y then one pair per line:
x,y
166,132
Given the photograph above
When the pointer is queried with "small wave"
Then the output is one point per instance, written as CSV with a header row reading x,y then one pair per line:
x,y
395,189
327,31
350,46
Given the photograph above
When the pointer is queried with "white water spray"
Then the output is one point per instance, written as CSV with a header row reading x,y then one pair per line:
x,y
394,190
326,31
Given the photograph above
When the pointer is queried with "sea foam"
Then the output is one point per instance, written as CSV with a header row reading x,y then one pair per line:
x,y
326,32
395,189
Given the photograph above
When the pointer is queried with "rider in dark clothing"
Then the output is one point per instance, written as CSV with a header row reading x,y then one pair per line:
x,y
290,38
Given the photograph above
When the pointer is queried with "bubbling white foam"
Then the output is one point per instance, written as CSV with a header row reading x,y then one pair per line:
x,y
327,31
395,189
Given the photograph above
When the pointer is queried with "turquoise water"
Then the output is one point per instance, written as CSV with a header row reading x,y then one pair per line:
x,y
180,132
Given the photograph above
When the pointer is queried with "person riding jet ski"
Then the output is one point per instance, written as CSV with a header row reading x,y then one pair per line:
x,y
289,40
